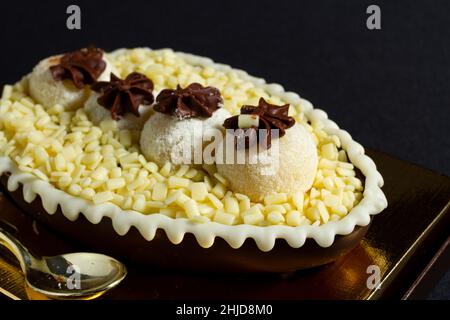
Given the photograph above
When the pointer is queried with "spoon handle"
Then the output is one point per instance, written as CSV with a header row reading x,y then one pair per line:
x,y
12,244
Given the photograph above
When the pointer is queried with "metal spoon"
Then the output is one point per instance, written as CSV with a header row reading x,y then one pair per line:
x,y
68,276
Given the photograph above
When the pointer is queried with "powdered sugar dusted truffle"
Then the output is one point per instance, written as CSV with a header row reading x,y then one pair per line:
x,y
165,138
291,169
272,153
184,121
50,85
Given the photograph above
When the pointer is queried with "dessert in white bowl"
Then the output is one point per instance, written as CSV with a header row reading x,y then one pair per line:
x,y
79,165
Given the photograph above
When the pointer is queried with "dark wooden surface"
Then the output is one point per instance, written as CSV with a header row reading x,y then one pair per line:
x,y
402,242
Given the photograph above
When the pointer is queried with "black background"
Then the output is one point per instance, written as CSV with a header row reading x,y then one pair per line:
x,y
389,88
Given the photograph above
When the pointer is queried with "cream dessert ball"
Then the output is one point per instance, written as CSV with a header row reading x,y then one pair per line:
x,y
166,138
128,101
182,125
64,79
287,165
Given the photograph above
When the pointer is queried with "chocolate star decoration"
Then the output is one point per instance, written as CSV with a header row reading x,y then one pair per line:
x,y
270,117
122,96
192,101
83,67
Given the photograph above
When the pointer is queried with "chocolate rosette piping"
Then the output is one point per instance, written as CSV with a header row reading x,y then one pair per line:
x,y
270,117
191,102
83,67
124,96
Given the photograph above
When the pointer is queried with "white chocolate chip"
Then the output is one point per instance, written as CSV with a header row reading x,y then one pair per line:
x,y
246,121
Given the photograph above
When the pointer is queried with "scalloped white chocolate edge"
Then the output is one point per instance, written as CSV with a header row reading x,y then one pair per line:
x,y
373,202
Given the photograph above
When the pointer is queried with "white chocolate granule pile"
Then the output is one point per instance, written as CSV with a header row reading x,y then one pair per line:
x,y
104,164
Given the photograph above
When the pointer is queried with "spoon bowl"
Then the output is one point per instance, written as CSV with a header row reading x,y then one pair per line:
x,y
67,276
74,275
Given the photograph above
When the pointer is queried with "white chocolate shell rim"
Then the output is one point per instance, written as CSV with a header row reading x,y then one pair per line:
x,y
372,203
